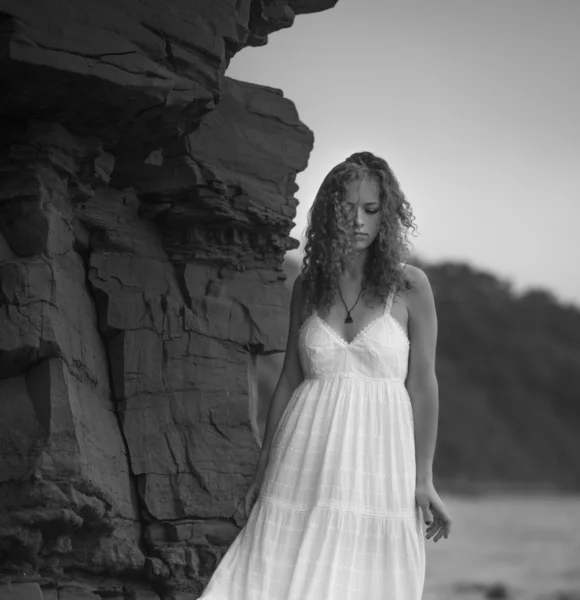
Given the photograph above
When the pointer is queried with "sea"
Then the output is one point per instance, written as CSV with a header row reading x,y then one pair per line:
x,y
517,546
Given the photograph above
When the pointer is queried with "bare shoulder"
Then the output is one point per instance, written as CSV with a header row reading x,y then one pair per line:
x,y
419,296
297,291
418,280
297,300
291,369
298,281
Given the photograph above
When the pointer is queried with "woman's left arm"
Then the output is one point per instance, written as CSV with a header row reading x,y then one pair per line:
x,y
421,380
423,391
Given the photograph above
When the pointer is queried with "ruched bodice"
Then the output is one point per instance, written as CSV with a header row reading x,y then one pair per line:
x,y
379,351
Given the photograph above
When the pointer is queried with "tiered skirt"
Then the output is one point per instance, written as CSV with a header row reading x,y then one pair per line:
x,y
336,518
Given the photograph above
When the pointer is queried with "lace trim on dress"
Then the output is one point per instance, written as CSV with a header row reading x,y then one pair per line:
x,y
386,312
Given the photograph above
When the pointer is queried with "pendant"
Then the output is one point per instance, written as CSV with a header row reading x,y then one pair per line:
x,y
348,319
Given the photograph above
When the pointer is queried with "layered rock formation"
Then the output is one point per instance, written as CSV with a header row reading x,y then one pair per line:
x,y
145,208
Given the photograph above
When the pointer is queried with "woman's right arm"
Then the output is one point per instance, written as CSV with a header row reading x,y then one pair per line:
x,y
290,377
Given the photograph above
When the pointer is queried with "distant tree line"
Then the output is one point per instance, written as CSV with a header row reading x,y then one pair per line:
x,y
508,367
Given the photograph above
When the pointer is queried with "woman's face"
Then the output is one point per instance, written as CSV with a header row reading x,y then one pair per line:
x,y
364,208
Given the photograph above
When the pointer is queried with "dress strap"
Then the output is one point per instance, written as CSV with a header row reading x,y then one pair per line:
x,y
391,296
389,302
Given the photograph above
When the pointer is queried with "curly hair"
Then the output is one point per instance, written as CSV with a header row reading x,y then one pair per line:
x,y
329,233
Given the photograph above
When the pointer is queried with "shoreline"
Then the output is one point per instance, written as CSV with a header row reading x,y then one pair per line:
x,y
462,487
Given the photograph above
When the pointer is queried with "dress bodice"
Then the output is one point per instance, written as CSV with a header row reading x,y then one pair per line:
x,y
379,351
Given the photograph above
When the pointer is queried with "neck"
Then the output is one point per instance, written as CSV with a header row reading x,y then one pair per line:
x,y
353,266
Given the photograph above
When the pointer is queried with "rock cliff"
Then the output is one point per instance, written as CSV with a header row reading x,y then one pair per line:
x,y
146,201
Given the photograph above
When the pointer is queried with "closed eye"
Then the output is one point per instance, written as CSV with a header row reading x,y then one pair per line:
x,y
370,211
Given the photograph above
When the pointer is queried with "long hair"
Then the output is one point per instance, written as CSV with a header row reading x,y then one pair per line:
x,y
329,233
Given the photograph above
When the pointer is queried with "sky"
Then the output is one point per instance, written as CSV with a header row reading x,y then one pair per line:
x,y
475,105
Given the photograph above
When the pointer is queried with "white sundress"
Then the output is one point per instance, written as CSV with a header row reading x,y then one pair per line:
x,y
336,516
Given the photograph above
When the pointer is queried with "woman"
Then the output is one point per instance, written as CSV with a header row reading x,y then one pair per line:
x,y
345,469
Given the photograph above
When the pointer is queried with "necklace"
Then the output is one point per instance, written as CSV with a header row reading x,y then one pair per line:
x,y
348,317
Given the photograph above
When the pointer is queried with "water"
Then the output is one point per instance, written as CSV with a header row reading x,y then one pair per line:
x,y
529,543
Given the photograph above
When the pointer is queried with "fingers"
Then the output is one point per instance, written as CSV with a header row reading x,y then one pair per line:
x,y
438,536
439,528
432,529
434,514
445,521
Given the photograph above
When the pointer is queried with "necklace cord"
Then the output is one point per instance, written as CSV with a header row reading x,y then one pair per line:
x,y
348,317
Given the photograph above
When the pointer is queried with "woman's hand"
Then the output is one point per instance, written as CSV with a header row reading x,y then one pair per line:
x,y
253,491
434,514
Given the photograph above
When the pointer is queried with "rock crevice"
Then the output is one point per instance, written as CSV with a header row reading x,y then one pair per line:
x,y
146,202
